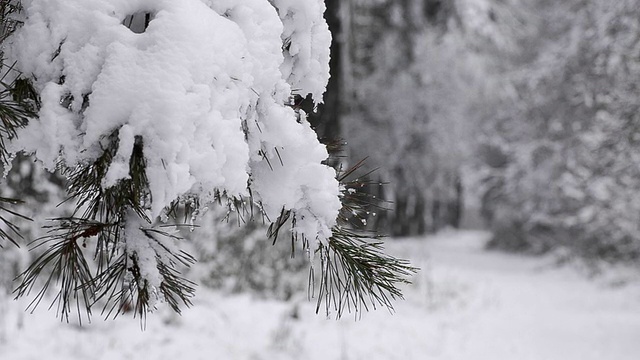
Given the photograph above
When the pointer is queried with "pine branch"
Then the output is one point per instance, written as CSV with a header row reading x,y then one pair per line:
x,y
135,262
355,273
124,286
18,104
13,116
109,205
12,230
173,287
7,24
18,99
110,286
358,204
66,266
277,225
16,108
106,215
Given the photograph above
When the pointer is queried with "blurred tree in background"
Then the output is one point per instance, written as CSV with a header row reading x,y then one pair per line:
x,y
568,137
528,108
415,78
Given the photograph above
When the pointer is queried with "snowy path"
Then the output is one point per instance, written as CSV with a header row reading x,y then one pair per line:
x,y
465,304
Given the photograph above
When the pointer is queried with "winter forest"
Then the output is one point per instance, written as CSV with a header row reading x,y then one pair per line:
x,y
320,179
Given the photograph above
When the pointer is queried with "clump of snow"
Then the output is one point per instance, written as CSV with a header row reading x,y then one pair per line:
x,y
141,247
307,43
205,86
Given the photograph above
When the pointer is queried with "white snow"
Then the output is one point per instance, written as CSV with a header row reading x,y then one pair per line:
x,y
145,251
206,87
309,39
465,304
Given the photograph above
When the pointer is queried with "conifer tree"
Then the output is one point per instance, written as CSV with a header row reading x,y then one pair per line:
x,y
154,110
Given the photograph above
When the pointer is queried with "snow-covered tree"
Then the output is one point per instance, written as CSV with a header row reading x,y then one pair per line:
x,y
568,137
157,108
418,75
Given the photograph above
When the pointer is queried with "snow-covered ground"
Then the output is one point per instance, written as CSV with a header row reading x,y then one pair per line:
x,y
466,303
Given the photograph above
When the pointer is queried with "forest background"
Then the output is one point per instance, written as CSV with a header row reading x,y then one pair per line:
x,y
524,113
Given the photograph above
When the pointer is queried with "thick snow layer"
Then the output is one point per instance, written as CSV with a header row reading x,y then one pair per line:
x,y
308,41
205,86
466,304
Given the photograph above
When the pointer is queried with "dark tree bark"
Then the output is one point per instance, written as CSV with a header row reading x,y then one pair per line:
x,y
326,119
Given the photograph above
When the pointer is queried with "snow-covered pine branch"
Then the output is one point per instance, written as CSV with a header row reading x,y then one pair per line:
x,y
205,89
143,103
